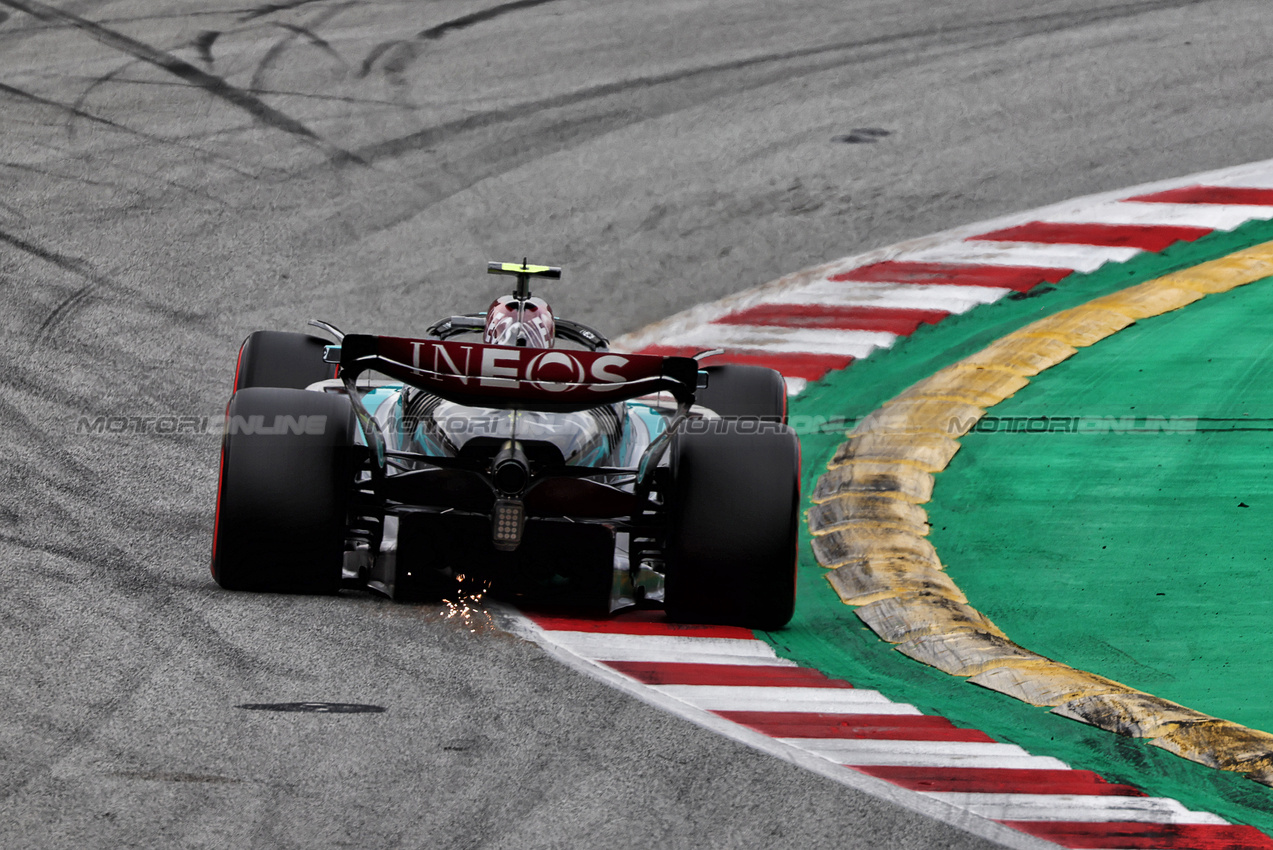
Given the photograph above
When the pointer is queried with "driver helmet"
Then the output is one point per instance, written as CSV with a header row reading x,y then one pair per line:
x,y
526,324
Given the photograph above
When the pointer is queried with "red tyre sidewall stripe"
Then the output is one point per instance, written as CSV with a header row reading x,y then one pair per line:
x,y
216,514
237,363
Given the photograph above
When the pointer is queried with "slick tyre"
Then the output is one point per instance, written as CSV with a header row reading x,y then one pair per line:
x,y
734,390
279,359
287,467
731,553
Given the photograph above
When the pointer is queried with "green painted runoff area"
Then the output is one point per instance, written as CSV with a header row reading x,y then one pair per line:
x,y
1133,547
826,634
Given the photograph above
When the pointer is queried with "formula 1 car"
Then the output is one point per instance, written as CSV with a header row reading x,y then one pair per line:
x,y
403,465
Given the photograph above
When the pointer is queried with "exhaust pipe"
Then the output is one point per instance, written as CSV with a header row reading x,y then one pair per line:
x,y
510,471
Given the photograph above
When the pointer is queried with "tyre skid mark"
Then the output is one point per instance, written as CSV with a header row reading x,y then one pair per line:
x,y
438,31
76,111
203,44
315,39
567,131
213,85
191,627
554,134
564,131
72,178
94,281
111,76
935,40
39,28
272,56
486,162
337,98
169,615
93,86
87,181
271,8
163,605
429,136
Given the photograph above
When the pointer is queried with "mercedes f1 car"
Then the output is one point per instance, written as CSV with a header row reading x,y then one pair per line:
x,y
536,459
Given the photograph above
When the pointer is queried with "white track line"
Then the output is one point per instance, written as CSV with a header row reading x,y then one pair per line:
x,y
643,653
608,647
818,700
925,753
1214,216
779,339
1093,809
904,296
1079,258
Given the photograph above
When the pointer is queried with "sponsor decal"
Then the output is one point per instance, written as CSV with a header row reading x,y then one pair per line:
x,y
502,369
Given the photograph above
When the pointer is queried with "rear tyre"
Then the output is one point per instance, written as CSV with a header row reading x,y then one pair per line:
x,y
731,553
280,359
287,467
735,390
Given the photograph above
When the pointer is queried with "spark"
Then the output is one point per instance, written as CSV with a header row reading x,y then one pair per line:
x,y
466,608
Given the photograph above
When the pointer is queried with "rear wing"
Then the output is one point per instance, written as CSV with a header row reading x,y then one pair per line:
x,y
479,375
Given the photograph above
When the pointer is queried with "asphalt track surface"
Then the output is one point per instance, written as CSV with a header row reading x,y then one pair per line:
x,y
174,178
